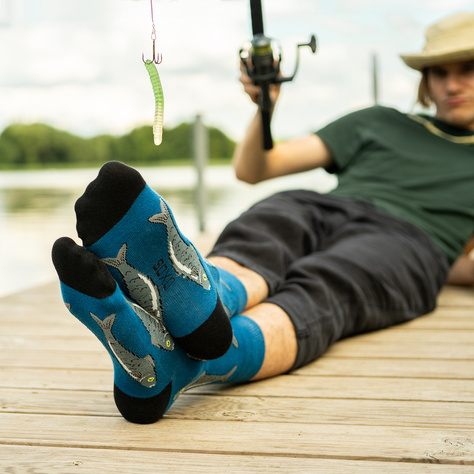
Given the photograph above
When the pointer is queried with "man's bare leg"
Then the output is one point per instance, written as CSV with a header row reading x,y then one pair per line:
x,y
462,271
278,331
279,336
255,286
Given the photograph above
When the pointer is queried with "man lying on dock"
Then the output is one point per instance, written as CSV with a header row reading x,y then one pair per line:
x,y
297,271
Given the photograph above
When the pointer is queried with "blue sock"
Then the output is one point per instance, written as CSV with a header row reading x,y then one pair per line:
x,y
130,227
150,369
231,291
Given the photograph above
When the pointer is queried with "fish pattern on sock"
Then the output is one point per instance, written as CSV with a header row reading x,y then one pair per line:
x,y
148,375
155,264
231,291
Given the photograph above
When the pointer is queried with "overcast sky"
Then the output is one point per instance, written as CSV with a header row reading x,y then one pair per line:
x,y
76,64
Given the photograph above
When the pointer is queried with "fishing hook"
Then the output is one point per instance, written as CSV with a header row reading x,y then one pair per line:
x,y
157,57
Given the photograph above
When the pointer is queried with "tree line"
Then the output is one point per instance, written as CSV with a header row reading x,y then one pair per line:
x,y
35,145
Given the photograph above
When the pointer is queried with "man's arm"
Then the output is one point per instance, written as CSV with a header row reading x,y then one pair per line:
x,y
462,271
253,164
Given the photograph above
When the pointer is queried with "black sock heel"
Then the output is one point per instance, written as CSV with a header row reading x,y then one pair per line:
x,y
142,410
212,339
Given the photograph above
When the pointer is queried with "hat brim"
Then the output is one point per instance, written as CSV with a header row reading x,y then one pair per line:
x,y
424,60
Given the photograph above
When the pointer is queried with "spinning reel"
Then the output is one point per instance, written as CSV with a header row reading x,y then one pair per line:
x,y
262,60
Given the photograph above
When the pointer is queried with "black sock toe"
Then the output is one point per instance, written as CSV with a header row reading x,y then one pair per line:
x,y
81,270
106,200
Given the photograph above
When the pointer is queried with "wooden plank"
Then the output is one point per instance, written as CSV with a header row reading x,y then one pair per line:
x,y
358,442
357,346
61,402
50,294
450,313
48,297
444,319
46,460
58,328
354,346
452,327
391,388
52,359
324,411
451,319
54,316
385,367
368,388
256,409
327,365
62,379
401,350
456,296
404,334
82,342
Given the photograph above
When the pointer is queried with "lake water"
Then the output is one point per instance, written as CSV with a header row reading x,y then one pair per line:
x,y
36,207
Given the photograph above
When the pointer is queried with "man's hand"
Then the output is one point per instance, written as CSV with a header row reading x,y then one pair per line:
x,y
252,90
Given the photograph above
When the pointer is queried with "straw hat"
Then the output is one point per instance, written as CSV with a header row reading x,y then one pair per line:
x,y
449,40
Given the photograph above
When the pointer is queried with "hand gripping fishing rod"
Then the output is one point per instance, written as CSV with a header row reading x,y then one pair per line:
x,y
263,67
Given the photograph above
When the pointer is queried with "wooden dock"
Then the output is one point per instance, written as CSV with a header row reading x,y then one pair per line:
x,y
395,401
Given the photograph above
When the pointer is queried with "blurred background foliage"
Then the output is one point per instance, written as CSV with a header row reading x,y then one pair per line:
x,y
38,145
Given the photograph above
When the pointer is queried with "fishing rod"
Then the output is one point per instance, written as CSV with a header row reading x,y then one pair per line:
x,y
263,66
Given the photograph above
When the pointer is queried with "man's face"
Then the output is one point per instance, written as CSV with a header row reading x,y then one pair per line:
x,y
451,88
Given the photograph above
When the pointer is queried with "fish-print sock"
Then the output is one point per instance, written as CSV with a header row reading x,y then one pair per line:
x,y
150,370
128,225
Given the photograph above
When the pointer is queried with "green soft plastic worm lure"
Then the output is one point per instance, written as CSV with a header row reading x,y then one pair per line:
x,y
159,102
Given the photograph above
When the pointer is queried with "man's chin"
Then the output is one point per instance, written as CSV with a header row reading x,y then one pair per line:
x,y
458,118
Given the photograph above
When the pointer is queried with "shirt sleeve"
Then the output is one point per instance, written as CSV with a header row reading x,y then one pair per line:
x,y
345,137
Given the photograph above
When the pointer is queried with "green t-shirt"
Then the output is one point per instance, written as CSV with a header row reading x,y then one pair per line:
x,y
413,167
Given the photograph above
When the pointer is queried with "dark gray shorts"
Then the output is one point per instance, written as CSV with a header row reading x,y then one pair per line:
x,y
335,266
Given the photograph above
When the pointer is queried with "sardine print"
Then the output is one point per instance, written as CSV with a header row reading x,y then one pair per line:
x,y
206,379
183,256
141,369
144,292
160,337
140,287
